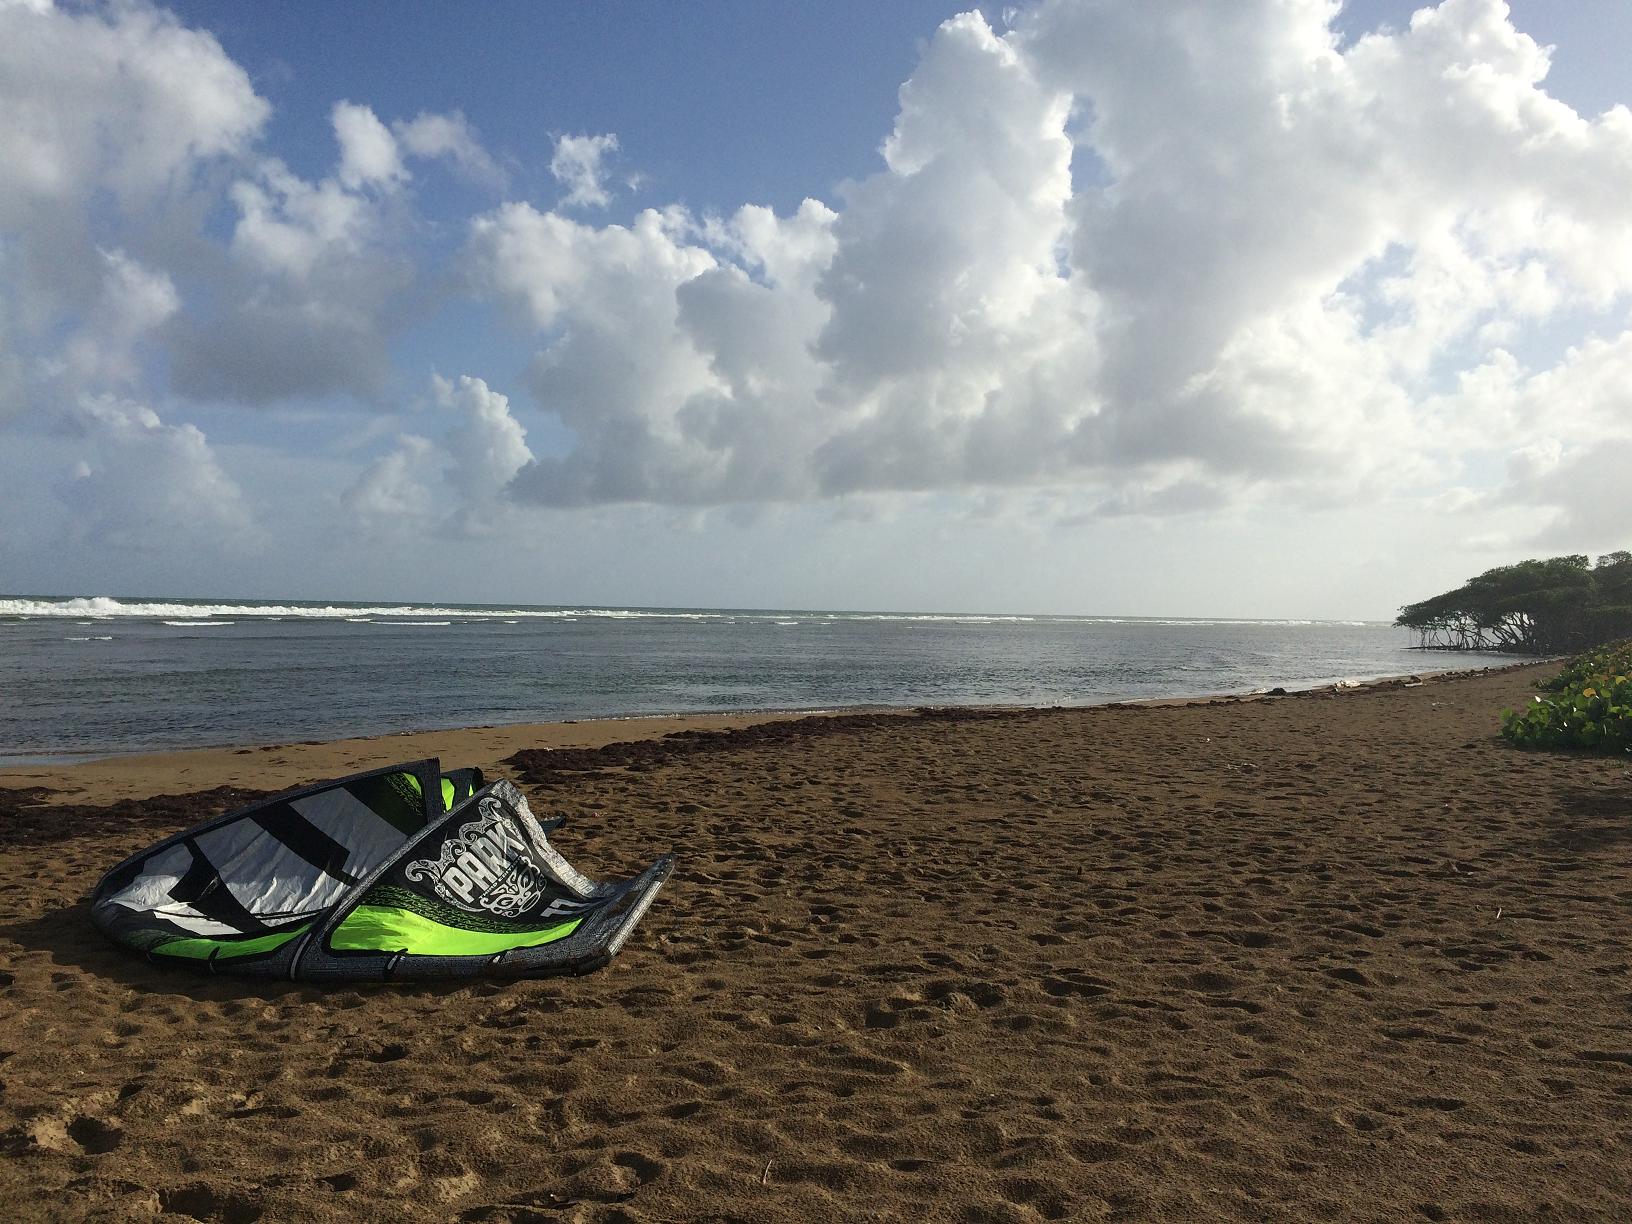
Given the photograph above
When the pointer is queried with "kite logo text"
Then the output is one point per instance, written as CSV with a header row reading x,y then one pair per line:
x,y
485,868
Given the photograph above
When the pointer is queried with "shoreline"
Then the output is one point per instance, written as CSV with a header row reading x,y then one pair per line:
x,y
100,779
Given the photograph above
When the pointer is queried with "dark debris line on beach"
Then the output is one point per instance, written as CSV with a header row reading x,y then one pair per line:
x,y
540,766
543,766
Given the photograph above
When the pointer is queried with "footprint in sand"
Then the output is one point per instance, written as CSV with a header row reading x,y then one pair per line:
x,y
202,1202
1443,1104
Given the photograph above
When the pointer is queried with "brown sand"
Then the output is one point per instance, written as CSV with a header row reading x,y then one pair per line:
x,y
1323,957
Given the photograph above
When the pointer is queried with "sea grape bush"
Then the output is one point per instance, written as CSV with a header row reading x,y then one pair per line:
x,y
1588,705
1615,659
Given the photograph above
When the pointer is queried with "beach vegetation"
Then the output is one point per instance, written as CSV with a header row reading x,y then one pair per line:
x,y
1586,706
1556,605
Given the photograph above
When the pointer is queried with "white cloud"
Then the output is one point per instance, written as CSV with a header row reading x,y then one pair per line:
x,y
317,268
485,450
949,312
121,129
113,121
450,136
134,301
144,485
1582,499
395,492
577,167
288,227
620,371
124,100
322,269
368,151
1284,252
1560,437
456,485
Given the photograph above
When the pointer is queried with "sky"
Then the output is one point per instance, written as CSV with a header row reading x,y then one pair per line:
x,y
1280,308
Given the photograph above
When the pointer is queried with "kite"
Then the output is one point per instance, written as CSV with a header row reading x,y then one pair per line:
x,y
397,874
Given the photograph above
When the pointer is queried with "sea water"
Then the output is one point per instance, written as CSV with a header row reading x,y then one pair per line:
x,y
105,675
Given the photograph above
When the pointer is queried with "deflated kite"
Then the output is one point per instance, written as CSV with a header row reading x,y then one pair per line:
x,y
396,874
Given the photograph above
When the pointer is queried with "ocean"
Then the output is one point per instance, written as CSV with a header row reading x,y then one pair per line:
x,y
101,676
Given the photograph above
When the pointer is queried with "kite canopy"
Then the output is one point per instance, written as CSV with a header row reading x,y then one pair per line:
x,y
394,874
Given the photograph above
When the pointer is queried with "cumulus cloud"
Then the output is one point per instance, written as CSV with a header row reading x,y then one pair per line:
x,y
1181,256
113,120
103,351
123,132
577,167
1172,258
1558,436
321,270
485,450
316,270
369,156
456,485
147,486
120,150
395,492
450,136
123,100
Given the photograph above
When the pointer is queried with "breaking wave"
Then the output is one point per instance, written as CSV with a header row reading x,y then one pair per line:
x,y
104,607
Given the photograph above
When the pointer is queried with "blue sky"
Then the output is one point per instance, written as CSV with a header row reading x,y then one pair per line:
x,y
714,103
1049,308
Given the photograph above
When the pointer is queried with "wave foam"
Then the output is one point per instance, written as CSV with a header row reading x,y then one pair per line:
x,y
103,607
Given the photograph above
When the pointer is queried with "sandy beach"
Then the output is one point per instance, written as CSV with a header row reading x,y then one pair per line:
x,y
1328,956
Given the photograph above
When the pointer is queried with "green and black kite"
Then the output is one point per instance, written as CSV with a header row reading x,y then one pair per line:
x,y
396,874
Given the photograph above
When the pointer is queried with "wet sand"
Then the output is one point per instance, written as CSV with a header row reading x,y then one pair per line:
x,y
1331,956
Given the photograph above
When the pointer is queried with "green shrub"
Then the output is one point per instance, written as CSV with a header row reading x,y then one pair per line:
x,y
1615,659
1588,706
